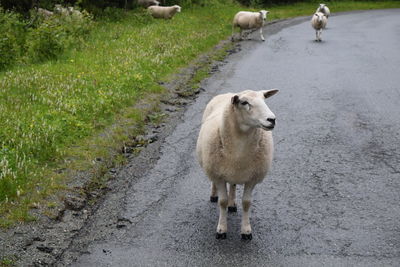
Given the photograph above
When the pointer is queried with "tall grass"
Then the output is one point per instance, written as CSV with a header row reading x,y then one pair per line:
x,y
46,108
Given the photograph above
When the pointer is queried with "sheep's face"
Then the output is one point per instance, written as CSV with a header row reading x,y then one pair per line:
x,y
319,16
263,14
252,111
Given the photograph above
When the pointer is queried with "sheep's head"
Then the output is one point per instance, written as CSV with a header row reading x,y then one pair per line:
x,y
263,14
252,111
177,8
319,16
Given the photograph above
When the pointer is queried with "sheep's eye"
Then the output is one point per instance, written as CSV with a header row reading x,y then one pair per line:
x,y
244,103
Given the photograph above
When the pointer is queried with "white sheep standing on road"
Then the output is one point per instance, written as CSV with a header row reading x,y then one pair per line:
x,y
324,9
163,12
235,146
246,20
318,22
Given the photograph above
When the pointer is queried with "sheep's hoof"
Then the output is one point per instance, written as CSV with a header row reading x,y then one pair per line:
x,y
220,236
213,199
263,40
232,209
247,236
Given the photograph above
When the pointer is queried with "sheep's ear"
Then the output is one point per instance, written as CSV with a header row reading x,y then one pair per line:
x,y
235,99
270,93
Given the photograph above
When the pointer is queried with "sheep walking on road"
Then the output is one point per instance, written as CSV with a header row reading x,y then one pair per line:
x,y
164,12
318,22
235,146
250,20
324,10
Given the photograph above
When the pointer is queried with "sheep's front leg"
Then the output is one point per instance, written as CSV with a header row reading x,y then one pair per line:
x,y
261,34
319,35
316,36
231,198
222,227
214,193
246,202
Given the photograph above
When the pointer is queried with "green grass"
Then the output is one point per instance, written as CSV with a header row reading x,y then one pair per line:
x,y
64,114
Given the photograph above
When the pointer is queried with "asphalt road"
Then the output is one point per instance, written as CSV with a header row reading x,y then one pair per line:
x,y
332,197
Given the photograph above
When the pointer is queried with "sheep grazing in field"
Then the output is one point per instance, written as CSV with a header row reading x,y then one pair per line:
x,y
147,3
74,12
318,22
164,12
60,10
324,10
235,146
67,11
44,12
246,20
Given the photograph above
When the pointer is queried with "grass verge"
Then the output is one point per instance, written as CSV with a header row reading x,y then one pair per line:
x,y
60,117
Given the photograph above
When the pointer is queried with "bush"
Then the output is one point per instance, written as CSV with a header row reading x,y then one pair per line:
x,y
45,42
12,38
42,38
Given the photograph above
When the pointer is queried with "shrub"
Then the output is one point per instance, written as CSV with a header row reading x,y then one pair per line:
x,y
42,38
45,42
11,39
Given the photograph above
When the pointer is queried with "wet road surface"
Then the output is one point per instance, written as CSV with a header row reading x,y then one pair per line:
x,y
332,197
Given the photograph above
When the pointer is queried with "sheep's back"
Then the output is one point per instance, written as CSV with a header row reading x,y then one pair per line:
x,y
247,20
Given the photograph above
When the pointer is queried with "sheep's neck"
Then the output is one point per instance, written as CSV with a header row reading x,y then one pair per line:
x,y
235,138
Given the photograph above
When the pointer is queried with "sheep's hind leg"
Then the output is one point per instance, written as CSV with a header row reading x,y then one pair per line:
x,y
231,198
222,227
246,202
214,193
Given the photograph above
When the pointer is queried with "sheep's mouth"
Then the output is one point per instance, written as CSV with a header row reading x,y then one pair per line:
x,y
268,128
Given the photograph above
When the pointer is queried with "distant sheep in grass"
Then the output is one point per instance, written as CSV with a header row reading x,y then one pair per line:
x,y
163,12
74,12
235,146
60,10
318,22
246,20
44,12
147,3
67,11
324,9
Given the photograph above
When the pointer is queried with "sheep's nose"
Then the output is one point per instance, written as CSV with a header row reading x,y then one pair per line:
x,y
272,121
